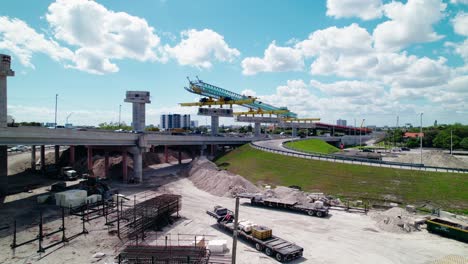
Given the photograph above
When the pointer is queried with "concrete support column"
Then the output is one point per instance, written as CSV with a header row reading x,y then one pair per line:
x,y
43,159
257,130
3,170
124,167
180,157
57,155
106,164
138,165
202,148
214,125
90,159
166,154
294,131
33,158
72,155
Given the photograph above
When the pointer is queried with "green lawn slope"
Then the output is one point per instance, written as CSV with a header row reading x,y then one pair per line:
x,y
448,190
312,145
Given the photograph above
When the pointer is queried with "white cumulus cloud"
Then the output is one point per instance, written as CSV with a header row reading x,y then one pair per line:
x,y
409,23
101,35
200,47
22,41
460,24
275,59
364,9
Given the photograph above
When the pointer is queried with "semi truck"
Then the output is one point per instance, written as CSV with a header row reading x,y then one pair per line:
x,y
313,209
273,246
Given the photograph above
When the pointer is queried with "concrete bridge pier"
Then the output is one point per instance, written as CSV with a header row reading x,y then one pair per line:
x,y
5,71
57,155
124,166
258,129
71,150
137,163
43,165
294,131
214,125
33,158
202,148
166,154
3,170
106,164
90,160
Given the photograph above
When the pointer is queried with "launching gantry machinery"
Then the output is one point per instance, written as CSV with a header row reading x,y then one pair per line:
x,y
258,112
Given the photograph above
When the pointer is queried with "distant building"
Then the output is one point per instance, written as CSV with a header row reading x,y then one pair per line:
x,y
172,121
186,121
194,123
341,122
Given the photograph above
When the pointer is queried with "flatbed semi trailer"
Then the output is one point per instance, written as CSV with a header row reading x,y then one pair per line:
x,y
280,249
310,209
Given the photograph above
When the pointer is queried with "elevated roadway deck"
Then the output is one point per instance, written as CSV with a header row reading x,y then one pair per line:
x,y
44,136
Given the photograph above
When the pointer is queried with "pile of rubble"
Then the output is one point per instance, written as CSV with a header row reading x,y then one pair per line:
x,y
396,220
206,176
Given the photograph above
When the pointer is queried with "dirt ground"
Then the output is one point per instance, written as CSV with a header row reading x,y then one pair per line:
x,y
341,238
430,158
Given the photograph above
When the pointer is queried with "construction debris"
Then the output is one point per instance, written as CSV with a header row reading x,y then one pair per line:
x,y
395,220
206,176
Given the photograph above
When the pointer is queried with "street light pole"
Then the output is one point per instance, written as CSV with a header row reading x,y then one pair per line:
x,y
451,142
56,97
120,111
421,136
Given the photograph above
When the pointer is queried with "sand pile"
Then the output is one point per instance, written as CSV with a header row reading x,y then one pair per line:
x,y
395,220
288,194
431,158
206,176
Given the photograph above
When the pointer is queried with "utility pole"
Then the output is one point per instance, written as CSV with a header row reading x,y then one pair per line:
x,y
451,142
234,236
120,112
421,136
56,98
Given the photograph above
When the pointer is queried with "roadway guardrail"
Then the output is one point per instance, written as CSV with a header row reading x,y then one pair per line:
x,y
360,161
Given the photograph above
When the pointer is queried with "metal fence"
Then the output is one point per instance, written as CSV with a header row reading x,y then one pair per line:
x,y
360,161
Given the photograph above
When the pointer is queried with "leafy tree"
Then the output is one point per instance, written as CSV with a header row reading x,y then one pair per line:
x,y
464,143
442,140
413,143
114,126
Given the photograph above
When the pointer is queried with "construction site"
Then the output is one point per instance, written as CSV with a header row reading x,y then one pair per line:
x,y
104,197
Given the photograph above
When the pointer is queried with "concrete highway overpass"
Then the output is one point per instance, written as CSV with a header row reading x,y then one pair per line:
x,y
134,143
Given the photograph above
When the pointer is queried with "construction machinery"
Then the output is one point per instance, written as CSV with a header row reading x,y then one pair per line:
x,y
202,88
259,236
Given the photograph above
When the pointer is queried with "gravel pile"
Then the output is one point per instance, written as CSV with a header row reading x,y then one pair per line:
x,y
206,176
394,220
288,194
431,158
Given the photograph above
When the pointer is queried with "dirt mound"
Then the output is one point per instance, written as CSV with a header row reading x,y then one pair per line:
x,y
431,158
206,176
394,220
288,194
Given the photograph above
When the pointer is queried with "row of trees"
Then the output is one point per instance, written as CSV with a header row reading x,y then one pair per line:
x,y
435,137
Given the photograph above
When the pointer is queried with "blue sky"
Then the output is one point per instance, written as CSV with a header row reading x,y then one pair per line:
x,y
331,59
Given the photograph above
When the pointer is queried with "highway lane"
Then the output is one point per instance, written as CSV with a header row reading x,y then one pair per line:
x,y
276,146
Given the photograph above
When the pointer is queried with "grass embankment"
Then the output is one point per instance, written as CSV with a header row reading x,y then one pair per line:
x,y
448,190
312,145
